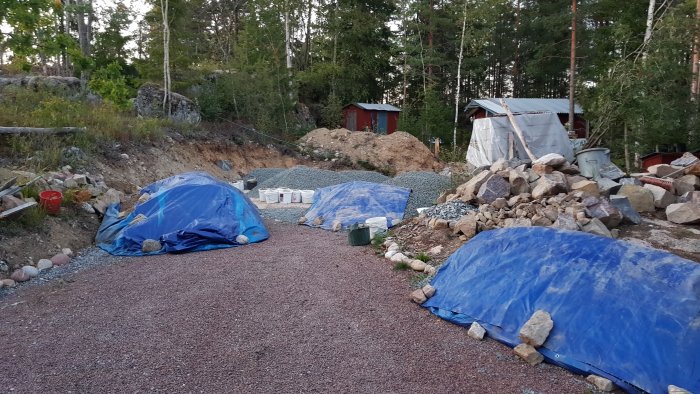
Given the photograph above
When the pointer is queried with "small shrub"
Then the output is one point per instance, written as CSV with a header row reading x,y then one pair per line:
x,y
111,84
401,266
423,257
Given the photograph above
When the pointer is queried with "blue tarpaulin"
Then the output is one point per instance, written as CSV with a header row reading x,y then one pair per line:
x,y
188,212
355,202
622,311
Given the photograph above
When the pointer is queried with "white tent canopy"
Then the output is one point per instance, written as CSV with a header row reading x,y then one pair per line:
x,y
492,138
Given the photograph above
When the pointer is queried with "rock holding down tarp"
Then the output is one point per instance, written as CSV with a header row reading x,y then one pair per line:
x,y
621,311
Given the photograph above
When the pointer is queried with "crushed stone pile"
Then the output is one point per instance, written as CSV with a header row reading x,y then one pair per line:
x,y
451,210
394,153
426,188
263,174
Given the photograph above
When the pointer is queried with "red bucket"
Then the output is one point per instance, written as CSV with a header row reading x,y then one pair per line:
x,y
50,200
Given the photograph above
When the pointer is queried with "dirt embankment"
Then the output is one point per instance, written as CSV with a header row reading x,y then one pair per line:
x,y
394,153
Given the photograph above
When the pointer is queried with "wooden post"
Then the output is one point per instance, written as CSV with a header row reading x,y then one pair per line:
x,y
518,132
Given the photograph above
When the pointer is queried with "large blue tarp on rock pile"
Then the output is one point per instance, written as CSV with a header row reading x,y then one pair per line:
x,y
629,313
188,212
355,202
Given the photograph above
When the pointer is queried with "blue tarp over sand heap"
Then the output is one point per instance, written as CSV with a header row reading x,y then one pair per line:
x,y
354,202
621,311
188,212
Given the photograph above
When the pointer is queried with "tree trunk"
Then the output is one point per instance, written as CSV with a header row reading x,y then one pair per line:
x,y
650,23
695,83
307,52
167,102
459,78
628,166
572,68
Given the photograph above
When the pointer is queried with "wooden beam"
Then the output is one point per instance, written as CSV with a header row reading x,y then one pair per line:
x,y
518,132
41,130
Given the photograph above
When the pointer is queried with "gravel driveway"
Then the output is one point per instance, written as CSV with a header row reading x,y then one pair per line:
x,y
301,312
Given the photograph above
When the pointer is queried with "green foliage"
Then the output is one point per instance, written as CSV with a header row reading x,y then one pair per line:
x,y
110,83
104,123
332,112
401,266
423,257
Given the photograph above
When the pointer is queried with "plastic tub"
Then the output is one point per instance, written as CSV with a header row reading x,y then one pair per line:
x,y
238,185
591,160
307,196
296,196
285,196
272,196
377,225
358,236
50,200
261,194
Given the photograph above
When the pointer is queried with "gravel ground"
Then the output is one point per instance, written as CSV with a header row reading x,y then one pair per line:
x,y
301,312
426,186
287,215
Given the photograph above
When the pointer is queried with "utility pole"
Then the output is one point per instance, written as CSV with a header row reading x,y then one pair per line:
x,y
572,66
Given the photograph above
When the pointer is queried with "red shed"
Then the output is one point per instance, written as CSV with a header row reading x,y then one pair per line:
x,y
485,108
380,118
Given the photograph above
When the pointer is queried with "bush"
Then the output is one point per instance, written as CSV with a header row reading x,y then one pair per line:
x,y
111,84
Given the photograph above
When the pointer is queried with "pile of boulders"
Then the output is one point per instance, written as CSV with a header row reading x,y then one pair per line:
x,y
674,188
27,272
550,192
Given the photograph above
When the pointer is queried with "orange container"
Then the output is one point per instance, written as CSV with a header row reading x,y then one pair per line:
x,y
50,200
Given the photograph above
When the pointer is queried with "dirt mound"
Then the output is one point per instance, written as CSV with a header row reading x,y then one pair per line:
x,y
394,153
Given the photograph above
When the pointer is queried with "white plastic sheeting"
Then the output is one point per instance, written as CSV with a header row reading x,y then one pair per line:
x,y
491,138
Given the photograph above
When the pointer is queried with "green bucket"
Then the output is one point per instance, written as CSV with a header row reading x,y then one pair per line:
x,y
358,235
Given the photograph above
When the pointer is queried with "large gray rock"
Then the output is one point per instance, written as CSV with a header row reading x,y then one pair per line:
x,y
588,187
683,213
595,226
690,197
603,210
611,171
150,245
536,330
149,104
551,159
467,191
566,221
607,186
663,170
642,199
518,183
662,197
629,214
495,187
685,184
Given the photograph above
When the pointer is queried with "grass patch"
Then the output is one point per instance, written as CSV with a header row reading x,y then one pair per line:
x,y
420,280
104,124
29,220
423,257
401,266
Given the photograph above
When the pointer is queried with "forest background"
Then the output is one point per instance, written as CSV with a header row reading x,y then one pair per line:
x,y
259,62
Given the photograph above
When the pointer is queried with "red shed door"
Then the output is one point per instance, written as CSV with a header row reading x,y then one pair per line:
x,y
352,120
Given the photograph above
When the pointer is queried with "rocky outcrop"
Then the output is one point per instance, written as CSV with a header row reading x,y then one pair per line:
x,y
66,86
149,104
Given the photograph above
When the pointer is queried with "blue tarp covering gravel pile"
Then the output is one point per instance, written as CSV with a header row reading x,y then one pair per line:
x,y
622,311
355,202
188,212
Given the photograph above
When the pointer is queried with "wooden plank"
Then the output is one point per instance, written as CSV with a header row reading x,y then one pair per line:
x,y
15,210
41,130
518,132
